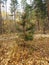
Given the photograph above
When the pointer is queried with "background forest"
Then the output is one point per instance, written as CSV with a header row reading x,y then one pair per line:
x,y
24,32
36,12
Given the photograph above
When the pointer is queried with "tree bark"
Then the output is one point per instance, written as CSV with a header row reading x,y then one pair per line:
x,y
44,29
0,19
47,3
38,25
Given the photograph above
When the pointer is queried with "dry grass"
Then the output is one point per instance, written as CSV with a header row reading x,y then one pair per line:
x,y
35,52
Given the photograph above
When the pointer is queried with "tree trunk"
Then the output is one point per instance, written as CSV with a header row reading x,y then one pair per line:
x,y
38,26
6,8
0,19
44,29
47,3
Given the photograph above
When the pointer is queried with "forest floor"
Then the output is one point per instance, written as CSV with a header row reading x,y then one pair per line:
x,y
15,35
35,52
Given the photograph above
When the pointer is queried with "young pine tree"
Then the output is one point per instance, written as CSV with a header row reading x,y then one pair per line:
x,y
26,26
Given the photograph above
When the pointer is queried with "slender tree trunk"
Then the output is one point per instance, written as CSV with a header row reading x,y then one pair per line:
x,y
0,19
6,10
24,33
44,30
38,26
15,20
47,3
38,23
24,30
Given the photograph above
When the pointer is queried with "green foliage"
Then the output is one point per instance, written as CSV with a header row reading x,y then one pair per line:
x,y
40,8
13,5
26,25
28,37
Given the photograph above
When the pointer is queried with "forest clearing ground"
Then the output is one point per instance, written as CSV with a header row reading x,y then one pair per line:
x,y
13,54
15,35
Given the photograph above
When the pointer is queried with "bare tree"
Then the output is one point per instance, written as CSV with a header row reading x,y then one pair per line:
x,y
1,22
